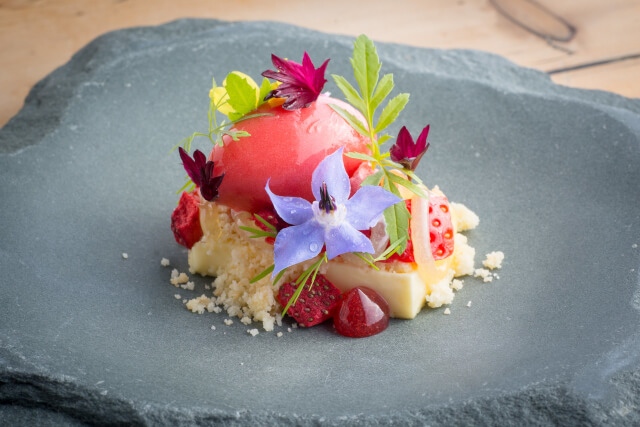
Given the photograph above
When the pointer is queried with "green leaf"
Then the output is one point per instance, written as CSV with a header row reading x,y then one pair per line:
x,y
263,274
242,97
397,219
353,97
382,91
408,185
256,232
373,179
383,139
391,111
413,176
234,115
265,88
360,156
351,119
265,222
366,65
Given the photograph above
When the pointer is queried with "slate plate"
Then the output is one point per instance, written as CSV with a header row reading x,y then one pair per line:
x,y
86,336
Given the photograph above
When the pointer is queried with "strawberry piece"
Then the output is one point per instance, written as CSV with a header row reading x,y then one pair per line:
x,y
407,255
270,215
185,220
440,227
313,306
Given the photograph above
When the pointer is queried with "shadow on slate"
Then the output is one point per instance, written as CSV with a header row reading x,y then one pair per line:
x,y
85,175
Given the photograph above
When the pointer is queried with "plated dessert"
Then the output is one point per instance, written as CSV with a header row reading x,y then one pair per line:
x,y
297,210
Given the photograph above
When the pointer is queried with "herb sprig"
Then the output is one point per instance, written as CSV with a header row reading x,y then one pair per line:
x,y
372,93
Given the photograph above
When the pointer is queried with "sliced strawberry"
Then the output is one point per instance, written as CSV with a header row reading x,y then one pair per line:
x,y
313,306
270,215
407,255
440,227
185,220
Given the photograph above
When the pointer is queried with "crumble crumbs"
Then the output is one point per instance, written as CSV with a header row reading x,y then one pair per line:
x,y
125,255
447,311
164,262
469,304
279,334
484,274
178,278
493,260
253,332
228,322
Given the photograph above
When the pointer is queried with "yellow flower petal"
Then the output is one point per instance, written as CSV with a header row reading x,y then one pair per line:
x,y
220,96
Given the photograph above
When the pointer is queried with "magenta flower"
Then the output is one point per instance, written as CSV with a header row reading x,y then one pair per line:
x,y
334,220
408,153
301,84
201,173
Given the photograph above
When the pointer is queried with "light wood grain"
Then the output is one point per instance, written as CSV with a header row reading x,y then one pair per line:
x,y
37,36
622,77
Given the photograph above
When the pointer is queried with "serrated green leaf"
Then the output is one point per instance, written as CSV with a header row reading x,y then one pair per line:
x,y
366,65
265,88
352,95
396,165
242,96
391,111
351,119
360,156
373,179
385,85
397,219
408,185
234,116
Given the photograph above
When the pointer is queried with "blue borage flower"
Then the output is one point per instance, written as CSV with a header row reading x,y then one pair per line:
x,y
333,220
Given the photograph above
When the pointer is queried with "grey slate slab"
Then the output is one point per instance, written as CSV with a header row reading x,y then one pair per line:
x,y
85,175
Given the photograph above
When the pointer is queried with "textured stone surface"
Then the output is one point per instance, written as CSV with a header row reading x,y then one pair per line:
x,y
86,336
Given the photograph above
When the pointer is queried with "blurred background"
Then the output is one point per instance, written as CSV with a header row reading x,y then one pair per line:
x,y
593,44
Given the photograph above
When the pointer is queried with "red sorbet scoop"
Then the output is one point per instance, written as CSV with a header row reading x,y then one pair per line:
x,y
285,147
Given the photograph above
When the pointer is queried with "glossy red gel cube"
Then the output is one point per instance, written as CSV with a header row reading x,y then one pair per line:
x,y
362,313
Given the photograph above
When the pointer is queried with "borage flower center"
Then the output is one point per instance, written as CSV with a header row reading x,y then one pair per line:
x,y
331,219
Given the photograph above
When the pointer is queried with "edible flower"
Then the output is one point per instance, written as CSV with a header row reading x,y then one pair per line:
x,y
408,153
333,219
200,170
301,84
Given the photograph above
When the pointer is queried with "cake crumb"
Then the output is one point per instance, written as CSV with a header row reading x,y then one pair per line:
x,y
207,287
484,274
635,245
228,322
178,278
457,284
253,332
493,260
245,320
279,334
213,327
288,329
184,301
125,255
447,311
164,262
469,304
188,286
294,326
177,296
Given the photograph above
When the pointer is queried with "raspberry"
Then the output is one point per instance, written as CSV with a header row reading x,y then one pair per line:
x,y
185,220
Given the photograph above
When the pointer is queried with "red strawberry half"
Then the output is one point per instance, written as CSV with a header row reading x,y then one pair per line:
x,y
313,306
185,220
440,227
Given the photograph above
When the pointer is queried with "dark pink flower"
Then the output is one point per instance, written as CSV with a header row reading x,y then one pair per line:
x,y
301,84
201,173
408,153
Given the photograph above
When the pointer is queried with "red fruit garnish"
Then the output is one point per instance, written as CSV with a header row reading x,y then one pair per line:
x,y
185,220
440,227
407,255
313,306
286,147
362,313
270,215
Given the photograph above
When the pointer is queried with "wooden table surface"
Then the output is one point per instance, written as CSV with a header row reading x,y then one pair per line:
x,y
592,44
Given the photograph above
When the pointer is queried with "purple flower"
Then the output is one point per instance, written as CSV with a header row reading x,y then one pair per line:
x,y
201,173
332,220
301,84
408,153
